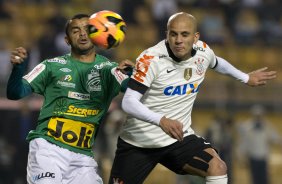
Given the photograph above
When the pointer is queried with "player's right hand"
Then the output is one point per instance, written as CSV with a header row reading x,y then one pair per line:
x,y
126,66
18,55
172,127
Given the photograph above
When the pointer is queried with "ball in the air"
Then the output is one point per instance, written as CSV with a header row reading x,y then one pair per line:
x,y
106,29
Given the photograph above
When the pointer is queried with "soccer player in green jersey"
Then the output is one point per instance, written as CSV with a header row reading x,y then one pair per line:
x,y
78,89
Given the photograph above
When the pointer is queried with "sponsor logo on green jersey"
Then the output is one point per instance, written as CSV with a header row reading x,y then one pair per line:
x,y
81,112
78,96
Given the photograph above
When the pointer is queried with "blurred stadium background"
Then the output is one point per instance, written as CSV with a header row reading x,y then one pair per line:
x,y
248,33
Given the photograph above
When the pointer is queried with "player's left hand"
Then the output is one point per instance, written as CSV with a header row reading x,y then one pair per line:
x,y
172,127
260,77
126,66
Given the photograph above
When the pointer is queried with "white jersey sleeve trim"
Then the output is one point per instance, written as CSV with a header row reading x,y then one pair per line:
x,y
35,72
120,77
131,104
224,67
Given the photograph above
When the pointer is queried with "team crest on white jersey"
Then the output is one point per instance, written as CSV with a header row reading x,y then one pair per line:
x,y
200,67
187,73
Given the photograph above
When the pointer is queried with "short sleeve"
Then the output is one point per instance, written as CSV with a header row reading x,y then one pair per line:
x,y
37,78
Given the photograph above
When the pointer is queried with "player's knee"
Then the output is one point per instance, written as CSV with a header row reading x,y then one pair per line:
x,y
217,167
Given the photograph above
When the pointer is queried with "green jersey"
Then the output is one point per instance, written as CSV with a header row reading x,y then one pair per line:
x,y
76,97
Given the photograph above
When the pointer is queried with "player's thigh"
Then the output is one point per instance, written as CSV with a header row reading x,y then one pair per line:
x,y
85,175
132,164
41,166
188,156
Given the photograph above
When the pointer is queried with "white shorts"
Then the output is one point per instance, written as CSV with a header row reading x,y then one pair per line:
x,y
51,164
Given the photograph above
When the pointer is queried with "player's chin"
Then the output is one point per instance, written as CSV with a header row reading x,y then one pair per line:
x,y
84,49
178,52
86,46
180,55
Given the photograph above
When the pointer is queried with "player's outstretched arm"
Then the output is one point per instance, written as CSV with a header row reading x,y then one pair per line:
x,y
260,77
255,78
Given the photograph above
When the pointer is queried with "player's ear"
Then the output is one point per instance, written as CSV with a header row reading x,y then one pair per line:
x,y
67,40
196,37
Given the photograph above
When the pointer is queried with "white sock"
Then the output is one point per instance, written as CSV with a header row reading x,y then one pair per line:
x,y
217,179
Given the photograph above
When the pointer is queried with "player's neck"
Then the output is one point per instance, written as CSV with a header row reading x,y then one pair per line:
x,y
85,57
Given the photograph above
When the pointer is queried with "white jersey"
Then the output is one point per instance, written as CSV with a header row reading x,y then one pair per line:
x,y
172,90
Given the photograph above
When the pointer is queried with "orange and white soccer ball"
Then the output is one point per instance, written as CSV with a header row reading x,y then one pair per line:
x,y
106,29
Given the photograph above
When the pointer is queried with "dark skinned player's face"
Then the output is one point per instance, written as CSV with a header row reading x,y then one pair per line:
x,y
78,35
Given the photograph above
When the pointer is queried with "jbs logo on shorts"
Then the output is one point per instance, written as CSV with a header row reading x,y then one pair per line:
x,y
70,132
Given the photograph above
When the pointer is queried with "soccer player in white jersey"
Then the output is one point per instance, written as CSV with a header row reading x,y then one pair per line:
x,y
159,101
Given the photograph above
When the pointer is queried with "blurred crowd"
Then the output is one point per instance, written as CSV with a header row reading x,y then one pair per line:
x,y
248,32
